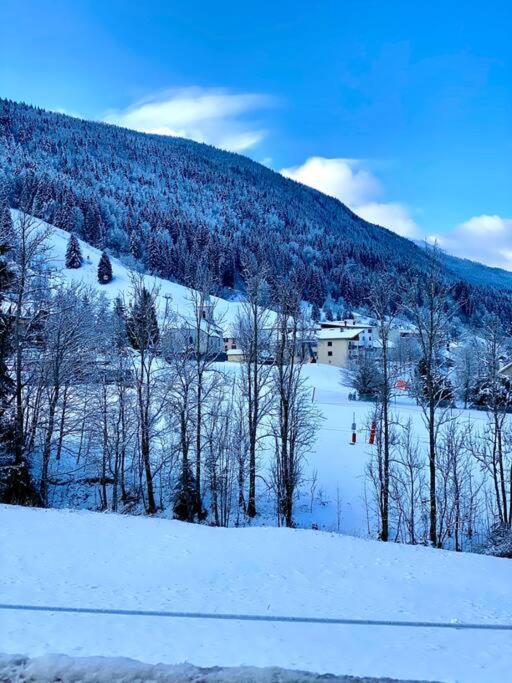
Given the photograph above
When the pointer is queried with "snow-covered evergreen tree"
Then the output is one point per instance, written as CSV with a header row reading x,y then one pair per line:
x,y
6,225
104,269
119,324
142,324
74,257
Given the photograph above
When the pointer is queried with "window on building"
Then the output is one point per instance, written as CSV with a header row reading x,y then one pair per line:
x,y
329,353
329,343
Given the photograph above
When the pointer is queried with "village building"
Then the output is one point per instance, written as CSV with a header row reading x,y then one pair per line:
x,y
191,335
235,355
337,346
340,342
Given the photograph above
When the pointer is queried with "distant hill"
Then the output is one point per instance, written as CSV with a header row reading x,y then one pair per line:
x,y
477,274
170,203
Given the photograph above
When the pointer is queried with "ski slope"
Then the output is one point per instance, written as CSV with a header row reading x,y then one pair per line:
x,y
176,296
341,466
107,561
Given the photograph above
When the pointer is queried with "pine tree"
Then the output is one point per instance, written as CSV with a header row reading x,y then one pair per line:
x,y
134,244
6,225
185,505
104,269
154,253
93,225
119,322
74,257
315,313
142,324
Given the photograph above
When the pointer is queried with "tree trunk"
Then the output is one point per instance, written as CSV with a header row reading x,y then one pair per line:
x,y
432,475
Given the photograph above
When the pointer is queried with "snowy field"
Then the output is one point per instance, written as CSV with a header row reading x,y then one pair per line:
x,y
85,559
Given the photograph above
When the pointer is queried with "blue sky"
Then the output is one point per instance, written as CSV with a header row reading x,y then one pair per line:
x,y
402,110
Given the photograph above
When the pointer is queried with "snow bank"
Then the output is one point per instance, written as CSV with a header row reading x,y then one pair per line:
x,y
51,668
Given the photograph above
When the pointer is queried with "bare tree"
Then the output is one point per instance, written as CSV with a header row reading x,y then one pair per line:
x,y
254,338
144,333
468,367
384,307
66,359
459,489
203,351
221,447
408,486
31,258
494,393
431,309
181,383
294,418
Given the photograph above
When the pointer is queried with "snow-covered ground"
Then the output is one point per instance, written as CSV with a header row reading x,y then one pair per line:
x,y
85,559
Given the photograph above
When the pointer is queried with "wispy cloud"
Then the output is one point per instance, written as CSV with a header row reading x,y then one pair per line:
x,y
356,186
484,238
392,215
216,116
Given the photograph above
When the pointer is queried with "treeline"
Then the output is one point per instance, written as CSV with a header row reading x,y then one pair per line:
x,y
162,203
121,406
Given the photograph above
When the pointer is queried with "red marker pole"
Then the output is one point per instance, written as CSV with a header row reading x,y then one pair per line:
x,y
354,434
373,429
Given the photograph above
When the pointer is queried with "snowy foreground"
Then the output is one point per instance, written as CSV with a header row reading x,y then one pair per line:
x,y
85,559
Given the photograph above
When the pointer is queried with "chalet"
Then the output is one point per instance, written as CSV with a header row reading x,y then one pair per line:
x,y
339,342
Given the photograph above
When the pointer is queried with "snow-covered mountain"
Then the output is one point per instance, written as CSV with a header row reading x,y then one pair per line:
x,y
169,202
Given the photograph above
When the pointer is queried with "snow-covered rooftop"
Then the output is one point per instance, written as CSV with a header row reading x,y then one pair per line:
x,y
338,333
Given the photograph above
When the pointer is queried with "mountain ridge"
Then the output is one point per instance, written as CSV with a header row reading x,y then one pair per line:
x,y
167,203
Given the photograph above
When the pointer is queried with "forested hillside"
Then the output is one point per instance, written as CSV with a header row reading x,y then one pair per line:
x,y
166,202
